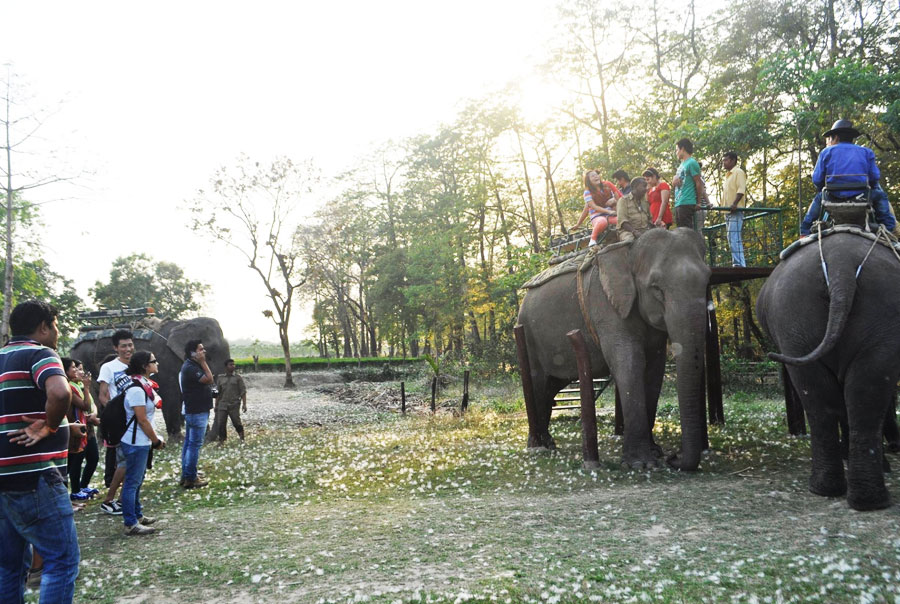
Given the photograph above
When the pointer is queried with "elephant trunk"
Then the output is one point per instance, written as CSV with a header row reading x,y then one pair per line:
x,y
841,292
689,347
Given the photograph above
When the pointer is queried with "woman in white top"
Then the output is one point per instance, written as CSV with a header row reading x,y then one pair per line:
x,y
140,405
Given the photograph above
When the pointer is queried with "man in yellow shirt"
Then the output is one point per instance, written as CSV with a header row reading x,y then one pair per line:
x,y
734,196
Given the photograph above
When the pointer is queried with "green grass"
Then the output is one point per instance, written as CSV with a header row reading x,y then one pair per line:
x,y
447,508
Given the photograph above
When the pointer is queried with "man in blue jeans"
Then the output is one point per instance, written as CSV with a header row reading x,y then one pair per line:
x,y
34,440
195,380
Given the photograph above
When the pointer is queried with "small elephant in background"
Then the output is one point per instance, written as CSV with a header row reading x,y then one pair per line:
x,y
840,340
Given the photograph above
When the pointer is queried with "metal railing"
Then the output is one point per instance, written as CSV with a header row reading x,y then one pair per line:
x,y
762,236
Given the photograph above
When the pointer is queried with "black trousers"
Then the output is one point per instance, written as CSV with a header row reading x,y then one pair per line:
x,y
110,468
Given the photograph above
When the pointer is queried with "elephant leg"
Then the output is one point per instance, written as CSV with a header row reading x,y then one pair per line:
x,y
545,390
654,373
868,400
822,400
628,366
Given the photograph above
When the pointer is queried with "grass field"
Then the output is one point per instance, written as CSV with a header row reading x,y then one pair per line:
x,y
371,506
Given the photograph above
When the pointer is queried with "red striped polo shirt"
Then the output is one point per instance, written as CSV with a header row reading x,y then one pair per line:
x,y
25,366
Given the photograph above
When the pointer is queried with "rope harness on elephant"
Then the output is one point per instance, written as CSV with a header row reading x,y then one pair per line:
x,y
881,233
585,313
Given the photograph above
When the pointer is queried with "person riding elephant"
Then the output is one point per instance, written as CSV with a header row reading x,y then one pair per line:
x,y
843,163
832,319
629,299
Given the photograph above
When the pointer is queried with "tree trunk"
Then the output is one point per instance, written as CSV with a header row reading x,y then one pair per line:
x,y
286,348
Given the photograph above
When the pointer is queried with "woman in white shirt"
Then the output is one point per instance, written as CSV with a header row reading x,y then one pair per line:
x,y
141,401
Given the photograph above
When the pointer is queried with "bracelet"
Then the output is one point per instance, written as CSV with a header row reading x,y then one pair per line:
x,y
52,430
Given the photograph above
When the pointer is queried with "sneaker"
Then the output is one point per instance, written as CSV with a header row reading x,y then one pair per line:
x,y
79,496
91,491
87,493
113,508
139,529
146,520
33,580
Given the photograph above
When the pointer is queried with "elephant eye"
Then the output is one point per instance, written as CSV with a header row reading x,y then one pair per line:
x,y
657,293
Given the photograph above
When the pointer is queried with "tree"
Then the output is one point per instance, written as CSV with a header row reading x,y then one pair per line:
x,y
251,208
136,281
18,130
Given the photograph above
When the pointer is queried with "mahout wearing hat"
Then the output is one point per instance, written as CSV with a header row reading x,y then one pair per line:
x,y
842,126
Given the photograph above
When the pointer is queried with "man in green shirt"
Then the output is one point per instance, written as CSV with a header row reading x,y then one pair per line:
x,y
689,187
232,396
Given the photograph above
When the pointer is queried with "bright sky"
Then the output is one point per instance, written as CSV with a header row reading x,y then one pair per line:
x,y
156,96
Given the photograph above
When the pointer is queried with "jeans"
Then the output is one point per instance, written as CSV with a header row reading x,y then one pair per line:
x,y
734,223
194,431
877,198
135,468
43,518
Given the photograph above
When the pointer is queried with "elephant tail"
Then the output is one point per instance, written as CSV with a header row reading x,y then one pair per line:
x,y
841,292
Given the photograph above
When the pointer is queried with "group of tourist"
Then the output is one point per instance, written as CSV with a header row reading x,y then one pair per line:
x,y
48,435
638,205
643,203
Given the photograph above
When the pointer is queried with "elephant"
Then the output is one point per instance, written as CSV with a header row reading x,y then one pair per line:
x,y
166,339
839,336
635,295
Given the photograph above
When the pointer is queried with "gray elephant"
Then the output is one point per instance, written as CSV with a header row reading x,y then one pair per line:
x,y
166,339
634,297
840,339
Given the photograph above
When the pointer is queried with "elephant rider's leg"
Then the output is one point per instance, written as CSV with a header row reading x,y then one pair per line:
x,y
820,394
868,396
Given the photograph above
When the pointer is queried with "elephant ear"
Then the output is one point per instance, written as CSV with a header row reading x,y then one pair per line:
x,y
206,330
616,279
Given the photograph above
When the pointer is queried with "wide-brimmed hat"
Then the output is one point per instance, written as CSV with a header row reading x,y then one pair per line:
x,y
842,126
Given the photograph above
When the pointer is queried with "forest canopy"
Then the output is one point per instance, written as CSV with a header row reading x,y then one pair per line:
x,y
426,245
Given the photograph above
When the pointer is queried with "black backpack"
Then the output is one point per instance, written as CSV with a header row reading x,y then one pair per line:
x,y
112,419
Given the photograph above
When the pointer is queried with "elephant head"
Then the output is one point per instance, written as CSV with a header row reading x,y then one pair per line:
x,y
665,276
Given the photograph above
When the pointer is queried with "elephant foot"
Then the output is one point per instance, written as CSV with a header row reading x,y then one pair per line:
x,y
864,500
644,460
677,462
893,446
827,486
541,442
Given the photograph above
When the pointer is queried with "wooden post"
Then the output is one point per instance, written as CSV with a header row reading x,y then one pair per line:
x,y
589,451
465,398
527,384
620,419
796,420
433,393
403,398
713,364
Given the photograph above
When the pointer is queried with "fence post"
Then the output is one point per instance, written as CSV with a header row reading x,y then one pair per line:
x,y
796,420
433,393
713,363
465,398
619,421
589,451
403,398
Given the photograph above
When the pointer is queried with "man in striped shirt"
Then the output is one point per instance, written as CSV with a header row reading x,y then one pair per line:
x,y
34,439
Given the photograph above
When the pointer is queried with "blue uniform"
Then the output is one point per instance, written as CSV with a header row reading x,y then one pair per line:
x,y
846,163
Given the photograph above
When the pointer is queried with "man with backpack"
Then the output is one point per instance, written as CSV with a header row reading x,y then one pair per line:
x,y
34,500
112,380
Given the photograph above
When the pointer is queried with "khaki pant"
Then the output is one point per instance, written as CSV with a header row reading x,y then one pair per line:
x,y
223,412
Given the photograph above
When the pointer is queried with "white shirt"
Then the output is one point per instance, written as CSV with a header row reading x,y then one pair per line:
x,y
113,373
135,397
